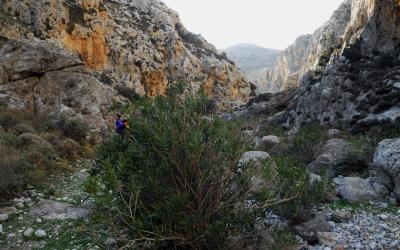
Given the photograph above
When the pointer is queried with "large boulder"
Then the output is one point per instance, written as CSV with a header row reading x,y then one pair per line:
x,y
332,155
358,190
387,159
271,140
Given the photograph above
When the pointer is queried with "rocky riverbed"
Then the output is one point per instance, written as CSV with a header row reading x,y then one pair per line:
x,y
361,227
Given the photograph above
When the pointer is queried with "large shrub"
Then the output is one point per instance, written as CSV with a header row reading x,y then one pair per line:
x,y
11,173
292,193
173,178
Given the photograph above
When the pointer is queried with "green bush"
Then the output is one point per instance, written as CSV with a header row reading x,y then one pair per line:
x,y
303,143
7,138
8,119
70,127
70,149
293,194
173,178
23,128
11,173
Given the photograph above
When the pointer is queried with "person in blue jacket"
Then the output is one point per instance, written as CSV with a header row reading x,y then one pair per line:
x,y
119,125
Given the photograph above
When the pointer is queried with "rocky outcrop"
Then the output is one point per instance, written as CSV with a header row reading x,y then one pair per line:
x,y
41,76
254,61
137,46
357,87
308,50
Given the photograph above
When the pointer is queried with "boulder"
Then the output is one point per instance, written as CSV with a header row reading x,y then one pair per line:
x,y
8,210
333,132
387,159
328,238
341,216
53,210
356,190
28,232
3,217
331,156
271,140
40,234
309,230
253,156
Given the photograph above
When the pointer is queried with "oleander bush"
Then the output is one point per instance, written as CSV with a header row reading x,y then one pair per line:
x,y
173,179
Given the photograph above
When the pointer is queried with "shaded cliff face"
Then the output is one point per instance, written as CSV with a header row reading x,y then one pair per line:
x,y
254,61
303,55
136,46
360,86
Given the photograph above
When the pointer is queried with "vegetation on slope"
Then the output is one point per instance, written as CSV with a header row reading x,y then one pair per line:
x,y
33,145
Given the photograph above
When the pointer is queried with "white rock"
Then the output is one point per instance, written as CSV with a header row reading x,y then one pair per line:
x,y
253,156
3,217
40,233
315,178
20,205
356,190
271,140
38,220
333,132
1,229
383,216
11,235
8,210
396,85
28,232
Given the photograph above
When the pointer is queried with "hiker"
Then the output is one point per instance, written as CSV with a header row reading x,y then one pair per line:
x,y
119,125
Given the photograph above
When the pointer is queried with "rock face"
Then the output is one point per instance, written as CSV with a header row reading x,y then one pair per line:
x,y
138,47
41,76
254,61
356,85
305,54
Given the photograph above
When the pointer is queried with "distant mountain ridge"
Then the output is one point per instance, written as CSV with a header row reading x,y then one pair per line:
x,y
254,61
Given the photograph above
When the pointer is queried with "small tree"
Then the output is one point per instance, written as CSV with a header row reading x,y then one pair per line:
x,y
174,176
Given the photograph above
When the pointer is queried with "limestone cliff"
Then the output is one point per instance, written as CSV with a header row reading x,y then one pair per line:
x,y
359,86
303,55
137,47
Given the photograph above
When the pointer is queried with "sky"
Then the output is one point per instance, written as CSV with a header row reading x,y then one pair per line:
x,y
272,24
